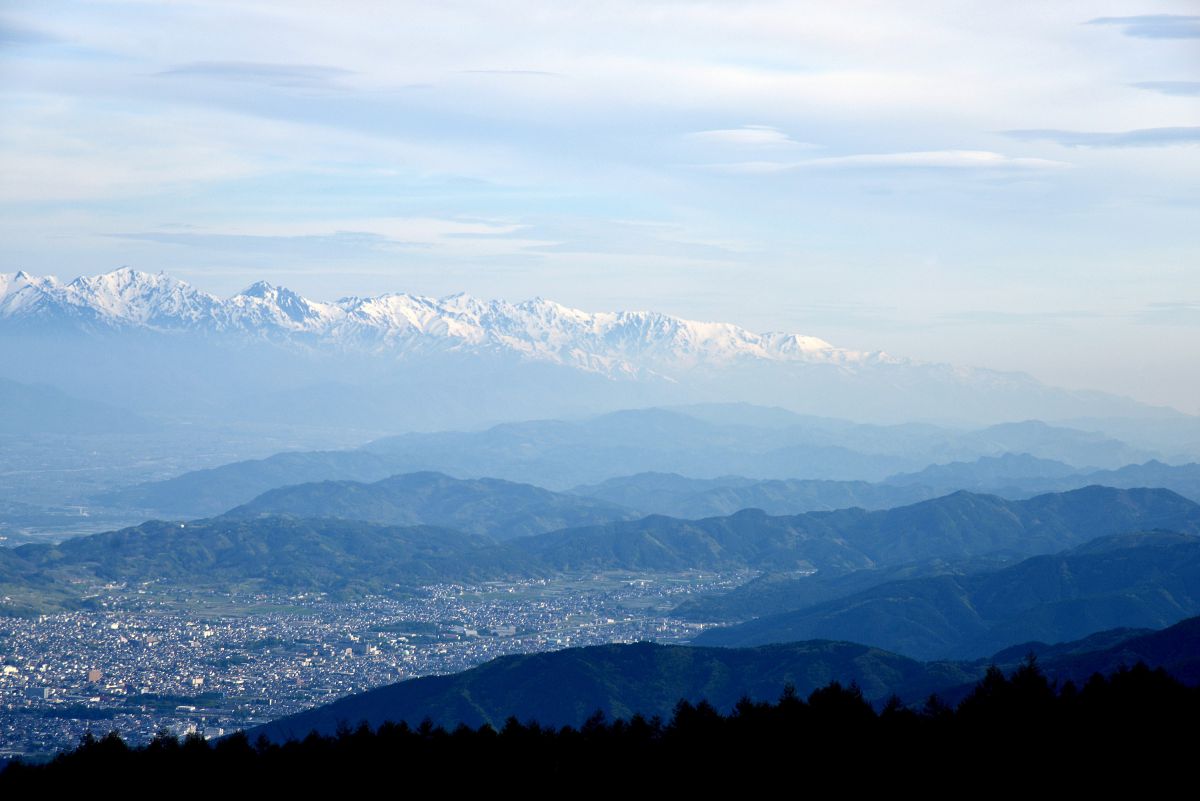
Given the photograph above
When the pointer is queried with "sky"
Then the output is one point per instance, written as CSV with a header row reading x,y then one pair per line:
x,y
1004,185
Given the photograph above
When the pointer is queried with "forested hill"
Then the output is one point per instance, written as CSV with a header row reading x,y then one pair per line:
x,y
956,526
566,687
489,506
352,557
1142,580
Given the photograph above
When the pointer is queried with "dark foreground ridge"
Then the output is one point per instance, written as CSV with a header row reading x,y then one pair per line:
x,y
563,688
1010,730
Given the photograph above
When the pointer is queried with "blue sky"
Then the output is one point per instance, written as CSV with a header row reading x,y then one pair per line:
x,y
1003,185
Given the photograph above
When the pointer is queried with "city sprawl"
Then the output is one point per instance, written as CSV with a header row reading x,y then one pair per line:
x,y
144,661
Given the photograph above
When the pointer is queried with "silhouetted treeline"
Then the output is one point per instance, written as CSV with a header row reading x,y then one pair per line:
x,y
1135,728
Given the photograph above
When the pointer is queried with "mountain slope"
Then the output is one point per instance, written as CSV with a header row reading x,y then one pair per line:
x,y
673,495
955,526
38,409
1022,475
214,490
488,506
566,687
333,556
1150,580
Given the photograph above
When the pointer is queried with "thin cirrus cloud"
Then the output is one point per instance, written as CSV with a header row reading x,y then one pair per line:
x,y
1154,26
1186,88
445,237
1003,317
16,35
1143,137
528,73
1173,314
748,136
294,75
927,159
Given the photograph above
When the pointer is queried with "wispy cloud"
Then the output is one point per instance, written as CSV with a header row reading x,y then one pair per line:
x,y
748,136
1171,87
1144,137
12,35
448,237
999,317
340,242
926,159
290,75
1154,26
1187,314
530,73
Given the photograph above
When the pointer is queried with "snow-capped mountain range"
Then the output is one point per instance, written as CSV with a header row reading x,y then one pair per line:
x,y
615,344
157,345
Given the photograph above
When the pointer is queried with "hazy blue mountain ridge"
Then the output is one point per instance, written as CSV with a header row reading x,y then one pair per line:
x,y
559,455
496,508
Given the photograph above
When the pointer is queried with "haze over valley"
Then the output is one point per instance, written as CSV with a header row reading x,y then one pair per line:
x,y
551,386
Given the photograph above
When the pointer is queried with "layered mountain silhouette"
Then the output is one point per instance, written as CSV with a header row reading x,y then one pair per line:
x,y
1144,580
339,556
562,455
499,509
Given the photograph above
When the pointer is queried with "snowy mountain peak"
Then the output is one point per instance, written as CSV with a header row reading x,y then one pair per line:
x,y
618,344
259,289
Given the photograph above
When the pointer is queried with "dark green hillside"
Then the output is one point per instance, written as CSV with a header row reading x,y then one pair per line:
x,y
294,554
957,526
566,687
333,556
775,592
1149,580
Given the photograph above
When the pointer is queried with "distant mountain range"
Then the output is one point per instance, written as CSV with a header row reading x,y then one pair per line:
x,y
560,455
1011,476
616,344
676,496
564,688
1145,580
499,509
957,526
351,557
34,408
154,343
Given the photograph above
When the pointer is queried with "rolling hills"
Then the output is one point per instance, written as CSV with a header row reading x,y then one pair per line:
x,y
491,507
955,526
298,554
1146,580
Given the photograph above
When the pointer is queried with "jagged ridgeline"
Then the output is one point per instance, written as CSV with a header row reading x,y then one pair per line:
x,y
153,343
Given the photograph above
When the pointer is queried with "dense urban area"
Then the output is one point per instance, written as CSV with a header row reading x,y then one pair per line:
x,y
146,660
